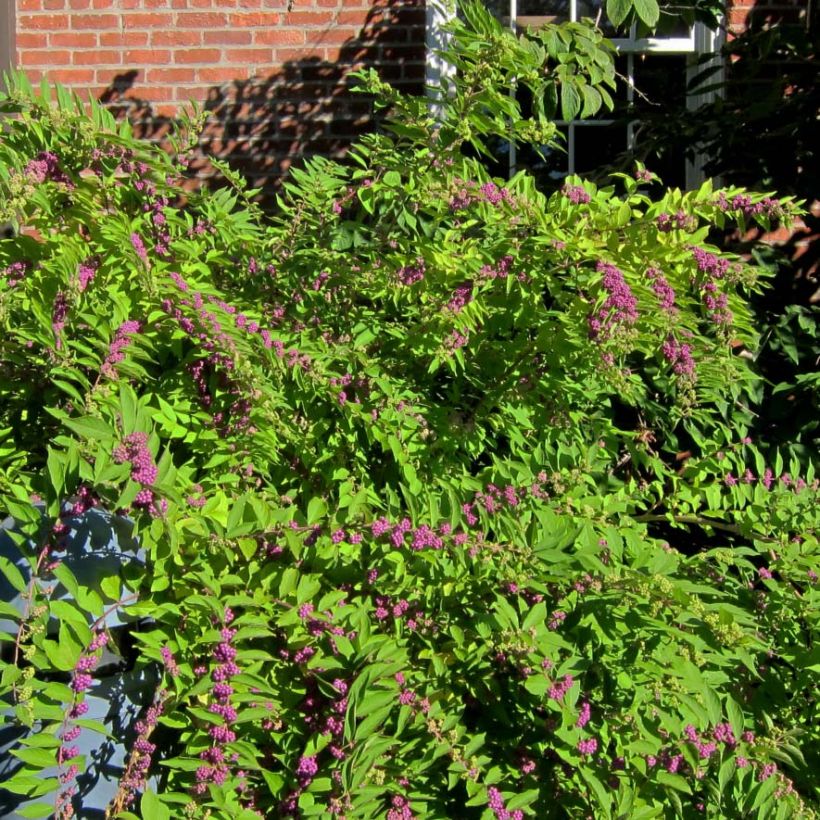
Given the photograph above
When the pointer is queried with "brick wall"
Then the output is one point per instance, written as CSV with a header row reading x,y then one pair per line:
x,y
272,73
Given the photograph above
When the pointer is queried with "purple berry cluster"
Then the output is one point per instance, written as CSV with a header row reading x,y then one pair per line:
x,y
215,768
410,274
122,339
138,768
81,682
575,194
679,356
495,801
767,207
45,167
469,192
662,289
134,449
620,308
15,272
667,222
86,271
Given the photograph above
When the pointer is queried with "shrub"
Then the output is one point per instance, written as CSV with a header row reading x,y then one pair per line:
x,y
443,484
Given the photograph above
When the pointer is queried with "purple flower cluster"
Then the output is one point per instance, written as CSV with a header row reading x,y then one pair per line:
x,y
469,192
139,247
81,682
575,194
455,341
215,768
134,449
122,339
584,715
680,220
662,289
46,167
15,273
400,809
86,272
410,274
327,715
679,356
715,267
588,747
139,763
461,297
561,687
496,803
767,207
716,304
500,270
619,308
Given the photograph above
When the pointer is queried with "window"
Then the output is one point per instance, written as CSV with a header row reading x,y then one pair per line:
x,y
653,70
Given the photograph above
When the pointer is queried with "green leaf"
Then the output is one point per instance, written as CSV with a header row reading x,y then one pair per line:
x,y
648,11
35,810
13,575
570,100
91,428
151,806
618,10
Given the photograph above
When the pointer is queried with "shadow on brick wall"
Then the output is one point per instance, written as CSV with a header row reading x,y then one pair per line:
x,y
263,125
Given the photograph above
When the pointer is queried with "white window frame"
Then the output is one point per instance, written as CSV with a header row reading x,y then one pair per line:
x,y
700,42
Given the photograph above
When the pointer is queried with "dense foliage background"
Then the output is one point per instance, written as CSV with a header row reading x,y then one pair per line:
x,y
444,489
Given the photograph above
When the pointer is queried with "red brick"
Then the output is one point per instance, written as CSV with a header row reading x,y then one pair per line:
x,y
107,75
224,37
151,93
352,18
201,19
70,76
95,21
197,55
147,56
31,39
176,38
337,35
73,39
225,74
143,4
198,93
123,38
79,5
147,20
252,19
46,57
53,5
309,18
249,55
166,110
170,75
93,57
297,55
279,36
29,5
43,22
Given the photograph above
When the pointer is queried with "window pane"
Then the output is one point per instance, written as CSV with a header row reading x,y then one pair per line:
x,y
660,83
598,146
557,9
